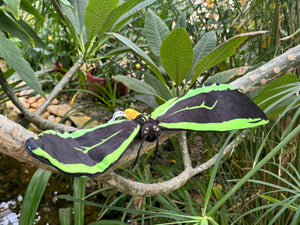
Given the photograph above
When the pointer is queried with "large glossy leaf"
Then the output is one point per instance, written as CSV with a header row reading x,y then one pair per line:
x,y
176,54
136,85
222,52
96,14
142,54
76,13
205,45
14,6
33,196
155,30
12,55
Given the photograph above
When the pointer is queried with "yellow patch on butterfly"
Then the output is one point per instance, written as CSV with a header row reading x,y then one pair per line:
x,y
173,161
131,114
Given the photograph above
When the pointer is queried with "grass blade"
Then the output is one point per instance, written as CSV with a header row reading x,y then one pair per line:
x,y
33,195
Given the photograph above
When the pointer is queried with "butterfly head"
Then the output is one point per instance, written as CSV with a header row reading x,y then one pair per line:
x,y
150,130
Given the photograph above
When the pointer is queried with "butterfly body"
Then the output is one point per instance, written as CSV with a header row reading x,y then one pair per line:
x,y
216,107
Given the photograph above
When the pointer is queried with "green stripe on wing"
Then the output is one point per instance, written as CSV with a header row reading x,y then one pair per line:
x,y
223,126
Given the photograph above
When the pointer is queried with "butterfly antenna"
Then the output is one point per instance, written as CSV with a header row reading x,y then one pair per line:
x,y
155,151
138,154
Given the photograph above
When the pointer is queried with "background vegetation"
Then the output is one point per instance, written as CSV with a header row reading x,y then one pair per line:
x,y
258,183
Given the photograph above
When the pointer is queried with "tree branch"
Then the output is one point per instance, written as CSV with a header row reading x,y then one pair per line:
x,y
277,67
166,187
12,140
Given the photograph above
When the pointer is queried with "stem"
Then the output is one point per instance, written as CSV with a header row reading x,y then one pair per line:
x,y
58,88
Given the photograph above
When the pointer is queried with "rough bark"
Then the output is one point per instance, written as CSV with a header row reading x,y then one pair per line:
x,y
13,136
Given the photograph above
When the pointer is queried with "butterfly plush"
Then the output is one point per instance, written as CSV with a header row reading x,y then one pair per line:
x,y
92,151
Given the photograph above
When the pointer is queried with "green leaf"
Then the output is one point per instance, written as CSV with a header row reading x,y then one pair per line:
x,y
176,54
115,52
274,92
130,13
108,222
20,29
272,89
96,14
158,86
79,187
149,100
26,5
9,25
12,55
118,14
205,45
76,13
155,30
203,221
222,52
37,41
142,54
222,77
274,200
65,216
217,192
33,196
14,6
136,85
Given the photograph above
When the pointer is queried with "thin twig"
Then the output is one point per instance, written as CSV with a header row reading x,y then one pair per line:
x,y
184,149
58,88
166,187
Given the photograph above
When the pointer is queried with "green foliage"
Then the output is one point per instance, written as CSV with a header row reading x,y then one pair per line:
x,y
137,85
288,190
14,58
96,15
79,192
276,96
99,17
156,31
176,53
218,55
20,29
33,196
179,62
65,216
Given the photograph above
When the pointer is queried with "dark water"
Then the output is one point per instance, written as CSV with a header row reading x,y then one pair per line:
x,y
14,179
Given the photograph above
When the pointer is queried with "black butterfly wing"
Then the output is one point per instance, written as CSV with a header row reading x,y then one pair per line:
x,y
84,152
216,107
